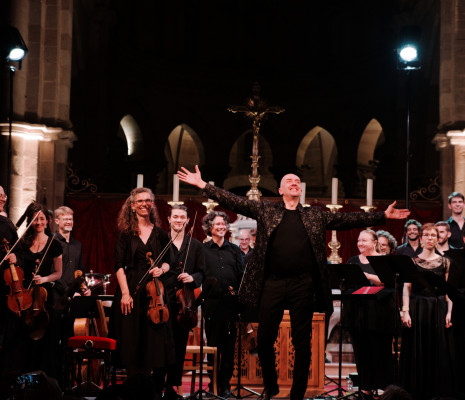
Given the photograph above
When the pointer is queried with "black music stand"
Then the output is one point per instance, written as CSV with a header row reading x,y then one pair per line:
x,y
394,270
243,317
348,278
208,285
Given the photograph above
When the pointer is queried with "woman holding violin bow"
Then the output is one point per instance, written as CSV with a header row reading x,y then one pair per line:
x,y
30,343
139,315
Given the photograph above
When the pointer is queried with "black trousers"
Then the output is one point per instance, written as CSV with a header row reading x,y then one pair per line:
x,y
297,295
221,333
180,336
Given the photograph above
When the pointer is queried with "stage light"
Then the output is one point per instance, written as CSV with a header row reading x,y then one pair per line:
x,y
12,44
408,52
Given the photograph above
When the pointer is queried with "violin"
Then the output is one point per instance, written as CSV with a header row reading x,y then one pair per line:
x,y
19,299
37,317
157,311
187,314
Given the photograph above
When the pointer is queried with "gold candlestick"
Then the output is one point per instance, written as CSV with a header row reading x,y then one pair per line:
x,y
209,205
334,245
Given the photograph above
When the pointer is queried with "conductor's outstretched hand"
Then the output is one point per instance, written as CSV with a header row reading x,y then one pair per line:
x,y
192,178
394,213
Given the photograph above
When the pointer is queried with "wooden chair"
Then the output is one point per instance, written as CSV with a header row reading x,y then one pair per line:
x,y
195,367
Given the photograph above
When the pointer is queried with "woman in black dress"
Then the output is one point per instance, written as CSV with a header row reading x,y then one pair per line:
x,y
371,322
142,346
22,352
426,361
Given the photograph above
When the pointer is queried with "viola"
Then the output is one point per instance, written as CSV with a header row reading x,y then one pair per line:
x,y
187,315
19,298
157,311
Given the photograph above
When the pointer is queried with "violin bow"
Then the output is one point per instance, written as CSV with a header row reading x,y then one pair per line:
x,y
189,244
156,261
42,260
12,247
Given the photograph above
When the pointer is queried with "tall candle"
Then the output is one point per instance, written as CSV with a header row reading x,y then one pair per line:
x,y
369,192
175,187
334,189
303,186
140,180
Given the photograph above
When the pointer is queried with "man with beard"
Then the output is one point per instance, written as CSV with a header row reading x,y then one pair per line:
x,y
188,272
443,238
456,221
412,246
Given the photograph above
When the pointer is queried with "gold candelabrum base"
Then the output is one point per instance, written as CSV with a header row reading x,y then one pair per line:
x,y
367,208
334,245
209,205
175,203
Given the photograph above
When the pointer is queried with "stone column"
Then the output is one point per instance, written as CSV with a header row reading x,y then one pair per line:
x,y
446,160
39,158
457,139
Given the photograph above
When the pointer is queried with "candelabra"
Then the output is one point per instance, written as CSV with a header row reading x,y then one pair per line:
x,y
334,245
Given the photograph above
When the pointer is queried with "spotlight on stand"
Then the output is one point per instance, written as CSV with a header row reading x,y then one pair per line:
x,y
408,60
13,47
408,54
12,50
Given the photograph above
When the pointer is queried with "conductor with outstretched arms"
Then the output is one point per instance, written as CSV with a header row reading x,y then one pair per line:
x,y
288,269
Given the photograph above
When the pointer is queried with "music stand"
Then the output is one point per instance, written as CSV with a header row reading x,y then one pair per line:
x,y
243,317
343,277
206,287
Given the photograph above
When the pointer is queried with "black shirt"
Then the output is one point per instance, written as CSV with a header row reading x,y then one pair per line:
x,y
456,234
289,251
72,260
225,264
407,250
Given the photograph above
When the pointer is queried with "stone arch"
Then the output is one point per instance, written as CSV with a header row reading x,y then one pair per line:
x,y
372,138
183,147
130,132
239,161
316,158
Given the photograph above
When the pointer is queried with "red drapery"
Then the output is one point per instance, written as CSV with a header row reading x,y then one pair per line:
x,y
95,225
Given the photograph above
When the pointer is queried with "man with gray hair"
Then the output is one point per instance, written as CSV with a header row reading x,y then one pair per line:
x,y
72,252
223,261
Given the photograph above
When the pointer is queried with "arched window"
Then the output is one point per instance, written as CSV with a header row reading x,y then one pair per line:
x,y
316,157
131,133
183,148
372,138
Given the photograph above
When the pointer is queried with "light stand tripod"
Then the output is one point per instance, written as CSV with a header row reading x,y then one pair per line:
x,y
239,364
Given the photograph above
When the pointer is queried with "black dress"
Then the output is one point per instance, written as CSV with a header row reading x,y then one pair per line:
x,y
426,368
21,353
140,344
372,322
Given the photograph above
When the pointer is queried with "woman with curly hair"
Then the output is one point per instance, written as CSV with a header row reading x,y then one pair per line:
x,y
142,346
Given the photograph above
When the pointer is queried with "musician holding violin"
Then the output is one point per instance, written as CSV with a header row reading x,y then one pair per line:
x,y
30,343
188,270
143,344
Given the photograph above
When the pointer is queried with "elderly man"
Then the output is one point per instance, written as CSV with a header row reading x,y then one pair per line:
x,y
288,268
244,244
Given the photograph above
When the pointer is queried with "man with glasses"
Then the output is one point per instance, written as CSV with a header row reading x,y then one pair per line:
x,y
72,252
